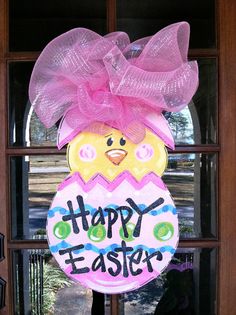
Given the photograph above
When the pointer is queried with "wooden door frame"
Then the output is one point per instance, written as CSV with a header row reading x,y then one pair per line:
x,y
4,264
226,22
227,157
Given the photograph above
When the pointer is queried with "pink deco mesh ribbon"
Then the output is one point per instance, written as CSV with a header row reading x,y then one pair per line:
x,y
94,82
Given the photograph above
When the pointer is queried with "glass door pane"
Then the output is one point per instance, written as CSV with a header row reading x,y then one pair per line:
x,y
143,18
41,287
187,286
34,181
33,24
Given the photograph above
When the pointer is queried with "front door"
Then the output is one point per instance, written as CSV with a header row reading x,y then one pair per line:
x,y
201,278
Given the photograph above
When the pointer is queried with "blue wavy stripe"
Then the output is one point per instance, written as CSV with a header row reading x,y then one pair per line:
x,y
52,211
61,245
89,246
166,208
63,211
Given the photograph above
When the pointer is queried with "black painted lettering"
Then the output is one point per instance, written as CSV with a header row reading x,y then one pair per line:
x,y
83,213
124,249
135,260
99,263
140,212
125,220
113,258
98,216
73,260
72,216
112,218
148,258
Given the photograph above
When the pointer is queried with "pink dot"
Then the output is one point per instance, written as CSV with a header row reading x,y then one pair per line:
x,y
144,152
87,153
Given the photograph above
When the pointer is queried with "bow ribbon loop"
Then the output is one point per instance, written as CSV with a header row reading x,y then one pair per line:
x,y
87,80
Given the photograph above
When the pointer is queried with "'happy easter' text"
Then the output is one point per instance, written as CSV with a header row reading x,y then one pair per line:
x,y
123,257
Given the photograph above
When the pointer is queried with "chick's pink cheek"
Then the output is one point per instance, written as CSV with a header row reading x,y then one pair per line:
x,y
144,152
87,153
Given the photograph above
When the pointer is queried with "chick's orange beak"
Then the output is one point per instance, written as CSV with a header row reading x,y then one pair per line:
x,y
116,156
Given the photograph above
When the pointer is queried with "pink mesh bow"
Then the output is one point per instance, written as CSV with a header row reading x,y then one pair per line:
x,y
94,82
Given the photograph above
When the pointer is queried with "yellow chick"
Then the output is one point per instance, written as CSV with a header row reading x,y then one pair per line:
x,y
89,153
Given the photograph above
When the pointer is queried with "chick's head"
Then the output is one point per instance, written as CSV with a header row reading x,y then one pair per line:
x,y
89,154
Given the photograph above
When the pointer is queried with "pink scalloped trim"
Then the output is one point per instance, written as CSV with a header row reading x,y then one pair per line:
x,y
112,185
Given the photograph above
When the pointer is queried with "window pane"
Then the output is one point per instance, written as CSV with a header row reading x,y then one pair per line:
x,y
34,23
191,179
40,287
143,18
197,123
25,129
34,181
188,286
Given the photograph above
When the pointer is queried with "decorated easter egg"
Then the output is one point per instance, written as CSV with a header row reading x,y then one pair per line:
x,y
113,225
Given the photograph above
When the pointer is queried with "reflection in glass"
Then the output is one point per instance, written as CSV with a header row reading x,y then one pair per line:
x,y
40,287
37,134
32,24
25,129
197,123
191,180
187,286
204,107
181,125
141,18
34,181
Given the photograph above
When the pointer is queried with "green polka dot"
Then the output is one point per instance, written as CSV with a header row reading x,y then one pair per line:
x,y
130,229
163,231
97,233
62,230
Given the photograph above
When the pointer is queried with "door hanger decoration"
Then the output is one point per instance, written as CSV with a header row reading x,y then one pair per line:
x,y
113,225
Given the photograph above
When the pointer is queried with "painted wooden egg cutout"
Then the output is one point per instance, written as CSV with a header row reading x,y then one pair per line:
x,y
113,225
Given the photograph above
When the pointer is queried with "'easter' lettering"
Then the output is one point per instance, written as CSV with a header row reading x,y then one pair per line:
x,y
132,260
123,263
111,256
148,258
73,260
99,263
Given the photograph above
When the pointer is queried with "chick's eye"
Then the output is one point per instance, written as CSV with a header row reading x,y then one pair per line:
x,y
110,141
122,141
